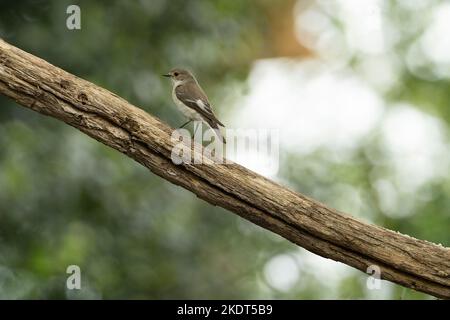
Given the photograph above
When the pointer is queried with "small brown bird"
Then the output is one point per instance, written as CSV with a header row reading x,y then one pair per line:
x,y
192,101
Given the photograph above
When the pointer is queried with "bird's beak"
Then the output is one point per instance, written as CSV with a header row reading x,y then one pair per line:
x,y
166,75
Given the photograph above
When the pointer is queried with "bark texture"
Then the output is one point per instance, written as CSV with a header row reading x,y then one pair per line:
x,y
104,116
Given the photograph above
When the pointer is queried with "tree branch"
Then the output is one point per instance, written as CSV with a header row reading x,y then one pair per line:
x,y
42,87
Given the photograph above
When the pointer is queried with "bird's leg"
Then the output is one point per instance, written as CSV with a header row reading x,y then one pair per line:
x,y
193,134
185,124
195,130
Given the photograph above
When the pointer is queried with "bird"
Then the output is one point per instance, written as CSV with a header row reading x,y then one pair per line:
x,y
192,101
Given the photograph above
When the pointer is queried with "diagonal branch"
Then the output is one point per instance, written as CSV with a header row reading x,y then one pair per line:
x,y
42,87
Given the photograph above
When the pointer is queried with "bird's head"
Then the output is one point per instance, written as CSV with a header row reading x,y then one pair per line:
x,y
178,75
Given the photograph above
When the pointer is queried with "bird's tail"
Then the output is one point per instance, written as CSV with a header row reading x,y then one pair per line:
x,y
216,129
219,135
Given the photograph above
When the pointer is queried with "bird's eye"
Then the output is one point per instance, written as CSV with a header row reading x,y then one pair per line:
x,y
176,74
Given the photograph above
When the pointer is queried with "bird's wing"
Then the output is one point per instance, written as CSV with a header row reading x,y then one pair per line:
x,y
192,95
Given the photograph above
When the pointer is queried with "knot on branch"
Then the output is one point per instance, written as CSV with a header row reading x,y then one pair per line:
x,y
82,97
64,84
4,60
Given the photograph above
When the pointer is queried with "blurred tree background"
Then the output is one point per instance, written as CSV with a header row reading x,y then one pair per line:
x,y
369,85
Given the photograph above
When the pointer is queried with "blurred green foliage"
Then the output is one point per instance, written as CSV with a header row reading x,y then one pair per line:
x,y
66,199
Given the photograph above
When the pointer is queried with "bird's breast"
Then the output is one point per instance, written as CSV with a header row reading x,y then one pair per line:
x,y
186,111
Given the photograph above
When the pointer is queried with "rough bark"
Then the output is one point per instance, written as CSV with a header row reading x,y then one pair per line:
x,y
104,116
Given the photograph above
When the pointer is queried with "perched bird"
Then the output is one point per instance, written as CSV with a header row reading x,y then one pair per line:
x,y
192,101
